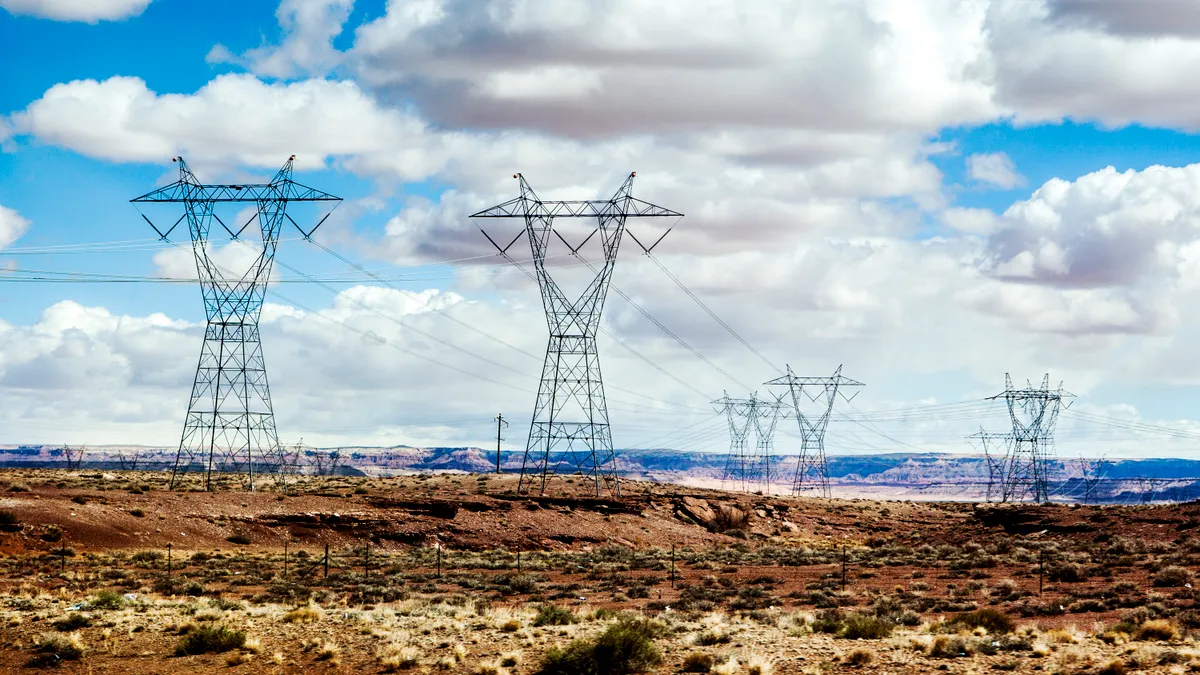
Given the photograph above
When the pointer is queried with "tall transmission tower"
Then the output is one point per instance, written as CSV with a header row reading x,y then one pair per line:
x,y
570,416
1033,412
812,469
750,469
230,423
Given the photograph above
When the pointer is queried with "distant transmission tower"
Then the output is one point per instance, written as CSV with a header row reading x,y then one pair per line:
x,y
812,470
230,424
996,454
1034,412
570,417
738,464
747,469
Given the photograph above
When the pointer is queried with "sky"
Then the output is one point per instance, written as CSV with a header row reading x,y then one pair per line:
x,y
931,194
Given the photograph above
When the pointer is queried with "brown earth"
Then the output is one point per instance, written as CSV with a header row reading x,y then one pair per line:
x,y
752,556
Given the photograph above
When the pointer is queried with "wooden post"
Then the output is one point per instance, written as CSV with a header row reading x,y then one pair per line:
x,y
62,558
168,561
439,561
843,568
367,561
672,565
326,561
518,561
1041,568
285,559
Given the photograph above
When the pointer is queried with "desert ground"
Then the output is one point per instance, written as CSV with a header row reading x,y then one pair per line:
x,y
111,572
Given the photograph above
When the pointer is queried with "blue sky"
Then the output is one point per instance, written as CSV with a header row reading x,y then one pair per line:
x,y
882,213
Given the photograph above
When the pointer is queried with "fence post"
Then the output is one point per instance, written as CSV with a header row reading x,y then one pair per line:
x,y
285,558
367,561
518,561
439,561
168,561
62,557
326,561
672,565
1041,568
843,568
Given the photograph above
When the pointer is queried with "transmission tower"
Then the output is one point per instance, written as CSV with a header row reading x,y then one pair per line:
x,y
996,453
1033,412
570,416
739,415
812,470
747,469
230,424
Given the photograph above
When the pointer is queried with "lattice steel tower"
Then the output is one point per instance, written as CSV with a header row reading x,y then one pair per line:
x,y
812,470
570,416
230,424
1033,412
746,469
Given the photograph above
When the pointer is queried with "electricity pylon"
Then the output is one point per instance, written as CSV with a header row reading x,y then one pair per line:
x,y
230,423
812,469
1033,411
743,468
570,417
996,454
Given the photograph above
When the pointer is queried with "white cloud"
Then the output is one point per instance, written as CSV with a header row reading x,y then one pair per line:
x,y
12,226
89,11
309,28
994,168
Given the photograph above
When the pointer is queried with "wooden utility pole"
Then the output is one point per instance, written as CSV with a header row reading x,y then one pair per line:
x,y
499,420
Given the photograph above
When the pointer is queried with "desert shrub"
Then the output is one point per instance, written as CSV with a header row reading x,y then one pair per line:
x,y
239,539
951,646
137,513
992,620
1114,667
106,599
519,583
210,638
1172,576
143,558
9,521
624,648
306,614
54,649
553,615
1157,629
860,657
728,518
79,499
73,621
863,626
698,662
53,534
1066,572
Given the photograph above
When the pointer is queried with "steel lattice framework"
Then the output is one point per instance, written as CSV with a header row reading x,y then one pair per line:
x,y
1024,470
748,470
230,423
812,469
570,416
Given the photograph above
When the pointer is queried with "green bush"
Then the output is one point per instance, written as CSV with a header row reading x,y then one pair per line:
x,y
106,599
210,638
553,615
993,620
862,626
624,648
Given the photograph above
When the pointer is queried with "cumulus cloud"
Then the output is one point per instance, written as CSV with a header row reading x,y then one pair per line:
x,y
995,169
12,226
309,28
584,69
89,11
